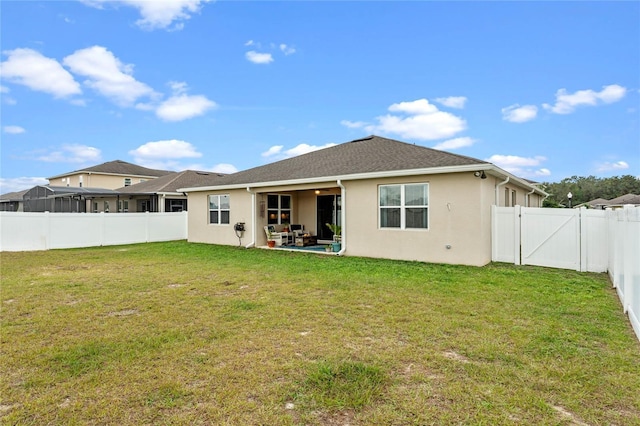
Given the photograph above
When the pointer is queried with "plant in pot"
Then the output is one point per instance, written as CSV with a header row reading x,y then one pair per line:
x,y
328,248
337,235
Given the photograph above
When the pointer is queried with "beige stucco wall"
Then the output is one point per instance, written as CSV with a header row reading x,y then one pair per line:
x,y
201,231
459,221
92,180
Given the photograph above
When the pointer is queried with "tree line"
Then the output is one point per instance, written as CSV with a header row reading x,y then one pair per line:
x,y
588,188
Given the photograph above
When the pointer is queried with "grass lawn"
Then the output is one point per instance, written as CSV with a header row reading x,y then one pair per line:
x,y
179,333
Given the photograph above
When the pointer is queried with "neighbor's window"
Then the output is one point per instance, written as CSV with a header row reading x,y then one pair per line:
x,y
127,181
278,209
219,209
123,206
404,206
106,207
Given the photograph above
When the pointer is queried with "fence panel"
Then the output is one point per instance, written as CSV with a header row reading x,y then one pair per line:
x,y
594,240
42,231
505,247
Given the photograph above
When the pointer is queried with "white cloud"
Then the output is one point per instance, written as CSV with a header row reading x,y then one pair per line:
x,y
455,143
107,75
287,50
276,152
158,14
520,166
224,168
566,103
13,130
163,154
20,183
182,107
249,43
609,166
73,153
34,70
258,58
417,120
4,89
353,124
452,101
519,114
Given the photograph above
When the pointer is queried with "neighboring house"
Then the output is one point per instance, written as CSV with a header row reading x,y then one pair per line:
x,y
109,175
392,199
623,200
11,201
161,194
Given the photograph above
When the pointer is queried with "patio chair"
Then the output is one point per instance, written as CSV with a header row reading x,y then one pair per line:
x,y
278,237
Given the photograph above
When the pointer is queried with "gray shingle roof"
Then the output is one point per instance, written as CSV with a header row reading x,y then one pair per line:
x,y
119,167
173,181
12,196
367,155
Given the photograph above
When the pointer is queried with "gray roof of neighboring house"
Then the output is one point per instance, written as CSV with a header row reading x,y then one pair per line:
x,y
118,167
173,181
624,199
12,196
367,155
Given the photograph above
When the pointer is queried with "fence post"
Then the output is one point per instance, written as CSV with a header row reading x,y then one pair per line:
x,y
627,261
147,225
47,230
517,250
583,231
103,227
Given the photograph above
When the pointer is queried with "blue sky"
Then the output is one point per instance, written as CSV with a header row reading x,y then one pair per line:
x,y
546,90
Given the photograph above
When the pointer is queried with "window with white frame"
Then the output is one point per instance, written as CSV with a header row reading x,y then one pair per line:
x,y
404,206
127,181
123,206
278,209
219,209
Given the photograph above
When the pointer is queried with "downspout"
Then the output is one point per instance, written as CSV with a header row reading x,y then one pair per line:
x,y
343,218
529,195
498,193
253,218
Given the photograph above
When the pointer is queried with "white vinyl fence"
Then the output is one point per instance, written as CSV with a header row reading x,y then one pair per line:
x,y
44,231
579,239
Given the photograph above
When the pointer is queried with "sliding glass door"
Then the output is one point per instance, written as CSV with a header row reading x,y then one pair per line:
x,y
329,207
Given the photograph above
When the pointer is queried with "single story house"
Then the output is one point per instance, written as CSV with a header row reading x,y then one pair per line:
x,y
11,201
614,203
392,200
161,194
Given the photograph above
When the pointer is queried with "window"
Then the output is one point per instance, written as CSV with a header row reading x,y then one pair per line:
x,y
219,209
404,206
513,198
95,207
278,209
127,181
106,207
123,206
506,197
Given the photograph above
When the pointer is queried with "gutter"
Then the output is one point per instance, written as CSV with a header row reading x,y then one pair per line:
x,y
253,218
343,217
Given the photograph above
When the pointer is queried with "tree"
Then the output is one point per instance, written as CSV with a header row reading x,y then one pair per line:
x,y
589,188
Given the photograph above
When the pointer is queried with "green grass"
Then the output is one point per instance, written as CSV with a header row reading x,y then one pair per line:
x,y
178,333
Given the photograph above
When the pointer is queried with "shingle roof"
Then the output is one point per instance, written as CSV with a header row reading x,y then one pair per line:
x,y
367,155
173,181
625,199
12,196
119,167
